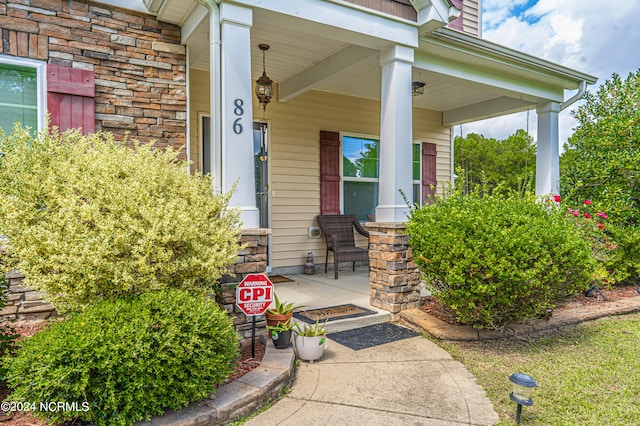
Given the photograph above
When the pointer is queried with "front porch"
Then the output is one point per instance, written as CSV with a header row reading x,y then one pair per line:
x,y
322,290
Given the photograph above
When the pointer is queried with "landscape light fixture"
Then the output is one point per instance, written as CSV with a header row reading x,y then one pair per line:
x,y
522,387
417,88
264,88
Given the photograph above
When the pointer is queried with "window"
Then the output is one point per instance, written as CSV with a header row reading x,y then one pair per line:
x,y
349,173
21,88
415,172
360,168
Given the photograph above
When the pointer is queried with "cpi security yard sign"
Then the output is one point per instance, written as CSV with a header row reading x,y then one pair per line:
x,y
254,294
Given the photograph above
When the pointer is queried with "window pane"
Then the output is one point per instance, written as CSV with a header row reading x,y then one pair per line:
x,y
360,157
360,198
416,162
416,194
19,101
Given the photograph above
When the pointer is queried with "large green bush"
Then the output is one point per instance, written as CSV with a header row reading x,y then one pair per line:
x,y
494,260
90,219
125,360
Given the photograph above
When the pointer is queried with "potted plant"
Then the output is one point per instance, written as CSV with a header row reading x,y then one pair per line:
x,y
281,334
281,313
310,340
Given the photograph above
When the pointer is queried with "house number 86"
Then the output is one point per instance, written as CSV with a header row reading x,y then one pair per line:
x,y
239,111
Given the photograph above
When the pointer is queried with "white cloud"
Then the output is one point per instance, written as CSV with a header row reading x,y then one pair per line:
x,y
598,37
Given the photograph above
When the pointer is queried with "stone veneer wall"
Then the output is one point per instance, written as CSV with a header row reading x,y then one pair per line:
x,y
394,277
252,259
138,63
23,303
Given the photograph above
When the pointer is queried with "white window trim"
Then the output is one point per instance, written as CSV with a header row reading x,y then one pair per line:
x,y
41,77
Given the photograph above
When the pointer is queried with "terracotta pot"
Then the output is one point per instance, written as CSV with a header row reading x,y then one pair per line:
x,y
274,319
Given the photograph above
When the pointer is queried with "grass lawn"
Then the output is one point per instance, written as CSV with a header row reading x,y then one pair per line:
x,y
587,375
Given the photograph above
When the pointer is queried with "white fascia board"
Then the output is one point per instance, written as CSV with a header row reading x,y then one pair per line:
x,y
195,18
487,109
346,17
330,67
451,39
507,84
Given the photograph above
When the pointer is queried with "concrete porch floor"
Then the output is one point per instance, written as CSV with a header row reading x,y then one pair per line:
x,y
322,290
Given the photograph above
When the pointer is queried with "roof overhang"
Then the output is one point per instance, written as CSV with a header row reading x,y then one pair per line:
x,y
334,45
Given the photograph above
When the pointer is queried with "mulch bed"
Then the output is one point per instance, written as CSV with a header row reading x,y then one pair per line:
x,y
431,306
243,365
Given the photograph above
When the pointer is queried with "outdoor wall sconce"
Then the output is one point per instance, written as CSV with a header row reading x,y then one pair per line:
x,y
264,88
417,88
522,387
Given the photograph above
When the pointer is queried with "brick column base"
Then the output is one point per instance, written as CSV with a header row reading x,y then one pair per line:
x,y
394,278
252,259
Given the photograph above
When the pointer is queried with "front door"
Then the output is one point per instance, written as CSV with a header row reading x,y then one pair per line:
x,y
261,161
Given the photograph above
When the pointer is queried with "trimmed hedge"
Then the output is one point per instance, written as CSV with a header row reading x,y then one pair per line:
x,y
494,260
126,360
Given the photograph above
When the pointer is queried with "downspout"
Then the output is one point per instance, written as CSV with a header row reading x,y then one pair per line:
x,y
215,119
581,89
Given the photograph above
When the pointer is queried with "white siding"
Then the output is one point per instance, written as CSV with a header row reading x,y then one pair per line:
x,y
471,17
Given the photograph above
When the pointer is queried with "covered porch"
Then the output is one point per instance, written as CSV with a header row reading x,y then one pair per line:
x,y
343,72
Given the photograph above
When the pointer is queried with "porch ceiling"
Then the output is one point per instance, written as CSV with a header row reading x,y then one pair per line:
x,y
467,79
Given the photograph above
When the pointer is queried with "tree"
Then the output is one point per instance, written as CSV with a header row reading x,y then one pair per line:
x,y
601,160
511,161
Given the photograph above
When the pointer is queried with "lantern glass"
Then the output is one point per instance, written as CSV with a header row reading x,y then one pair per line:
x,y
522,392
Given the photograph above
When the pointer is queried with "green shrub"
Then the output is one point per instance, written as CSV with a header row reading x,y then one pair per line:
x,y
90,219
625,261
127,359
494,260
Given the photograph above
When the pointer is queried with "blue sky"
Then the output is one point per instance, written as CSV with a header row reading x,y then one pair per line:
x,y
598,37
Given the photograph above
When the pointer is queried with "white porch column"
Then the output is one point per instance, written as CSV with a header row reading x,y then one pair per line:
x,y
548,156
395,134
236,111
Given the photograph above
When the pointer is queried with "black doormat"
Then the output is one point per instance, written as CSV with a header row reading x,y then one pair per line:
x,y
332,313
371,335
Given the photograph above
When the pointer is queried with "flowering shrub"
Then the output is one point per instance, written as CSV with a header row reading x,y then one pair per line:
x,y
493,260
590,223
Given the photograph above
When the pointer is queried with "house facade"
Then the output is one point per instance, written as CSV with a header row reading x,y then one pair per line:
x,y
365,96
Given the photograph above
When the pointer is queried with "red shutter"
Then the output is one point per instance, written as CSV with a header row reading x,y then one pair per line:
x,y
429,174
70,98
329,172
457,23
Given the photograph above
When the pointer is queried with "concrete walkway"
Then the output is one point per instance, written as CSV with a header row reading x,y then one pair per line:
x,y
411,381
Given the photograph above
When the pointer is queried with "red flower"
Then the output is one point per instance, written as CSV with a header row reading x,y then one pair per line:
x,y
557,198
602,215
600,225
587,215
576,213
587,202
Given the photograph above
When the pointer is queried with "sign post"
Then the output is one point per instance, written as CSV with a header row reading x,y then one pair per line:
x,y
254,294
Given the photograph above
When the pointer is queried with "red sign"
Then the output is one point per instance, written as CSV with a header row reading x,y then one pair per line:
x,y
254,294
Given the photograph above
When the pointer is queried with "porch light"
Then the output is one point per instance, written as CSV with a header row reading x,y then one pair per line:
x,y
522,387
264,89
417,88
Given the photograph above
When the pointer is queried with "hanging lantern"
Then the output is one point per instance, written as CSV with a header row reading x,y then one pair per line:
x,y
264,87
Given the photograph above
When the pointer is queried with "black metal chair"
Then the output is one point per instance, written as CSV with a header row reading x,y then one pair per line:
x,y
338,231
